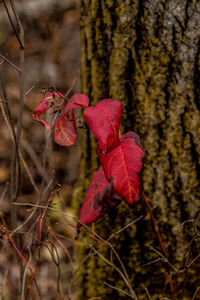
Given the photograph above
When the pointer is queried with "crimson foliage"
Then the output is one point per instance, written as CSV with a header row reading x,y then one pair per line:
x,y
99,199
65,132
118,177
104,120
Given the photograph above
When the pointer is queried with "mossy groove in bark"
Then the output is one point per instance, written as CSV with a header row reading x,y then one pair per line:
x,y
147,55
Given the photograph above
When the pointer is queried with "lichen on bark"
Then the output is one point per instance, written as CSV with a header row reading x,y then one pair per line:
x,y
147,55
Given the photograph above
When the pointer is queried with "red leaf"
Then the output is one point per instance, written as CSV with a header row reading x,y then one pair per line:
x,y
40,109
99,199
70,106
123,165
65,129
103,120
77,100
44,105
80,100
65,126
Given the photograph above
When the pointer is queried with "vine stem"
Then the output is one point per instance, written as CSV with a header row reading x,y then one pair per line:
x,y
196,292
9,238
161,244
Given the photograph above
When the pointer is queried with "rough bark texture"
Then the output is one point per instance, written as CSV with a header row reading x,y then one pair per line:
x,y
147,55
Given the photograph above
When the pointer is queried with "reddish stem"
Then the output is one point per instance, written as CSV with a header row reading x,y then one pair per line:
x,y
164,252
29,230
40,235
196,292
22,257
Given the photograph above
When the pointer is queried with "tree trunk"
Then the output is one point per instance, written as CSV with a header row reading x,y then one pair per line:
x,y
147,55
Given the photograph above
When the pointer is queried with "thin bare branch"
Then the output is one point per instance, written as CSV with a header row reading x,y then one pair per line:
x,y
118,289
195,259
16,168
29,90
71,87
42,206
153,262
4,192
29,149
165,260
21,30
20,153
15,165
10,63
132,292
148,295
4,282
21,98
53,234
13,25
91,253
28,173
125,227
57,263
186,221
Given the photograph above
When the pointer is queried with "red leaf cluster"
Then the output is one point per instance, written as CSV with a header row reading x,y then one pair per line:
x,y
65,132
121,162
121,158
122,166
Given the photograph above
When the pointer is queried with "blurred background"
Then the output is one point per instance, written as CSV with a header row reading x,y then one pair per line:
x,y
52,58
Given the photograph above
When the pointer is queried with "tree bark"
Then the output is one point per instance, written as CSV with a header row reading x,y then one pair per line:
x,y
147,55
